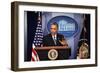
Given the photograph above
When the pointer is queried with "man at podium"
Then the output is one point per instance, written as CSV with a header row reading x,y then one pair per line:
x,y
54,38
54,45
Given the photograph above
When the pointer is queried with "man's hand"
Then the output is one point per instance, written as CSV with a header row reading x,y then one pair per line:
x,y
63,42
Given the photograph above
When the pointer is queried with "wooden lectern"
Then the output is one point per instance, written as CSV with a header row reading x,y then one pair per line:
x,y
53,53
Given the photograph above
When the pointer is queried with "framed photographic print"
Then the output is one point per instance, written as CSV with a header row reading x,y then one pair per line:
x,y
52,36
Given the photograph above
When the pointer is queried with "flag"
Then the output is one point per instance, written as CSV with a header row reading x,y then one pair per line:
x,y
83,35
35,56
37,39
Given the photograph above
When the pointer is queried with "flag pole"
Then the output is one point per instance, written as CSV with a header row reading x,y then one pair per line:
x,y
84,28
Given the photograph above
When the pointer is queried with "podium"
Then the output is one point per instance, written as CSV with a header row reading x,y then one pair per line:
x,y
53,53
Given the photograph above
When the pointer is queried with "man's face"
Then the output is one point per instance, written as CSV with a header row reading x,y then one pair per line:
x,y
53,29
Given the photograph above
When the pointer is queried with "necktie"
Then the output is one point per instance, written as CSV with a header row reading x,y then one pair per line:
x,y
55,40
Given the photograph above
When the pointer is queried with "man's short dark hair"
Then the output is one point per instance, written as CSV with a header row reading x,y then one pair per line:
x,y
54,24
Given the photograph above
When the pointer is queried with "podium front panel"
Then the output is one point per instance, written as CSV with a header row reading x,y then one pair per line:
x,y
63,54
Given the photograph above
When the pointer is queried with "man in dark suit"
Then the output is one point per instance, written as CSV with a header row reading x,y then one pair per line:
x,y
54,38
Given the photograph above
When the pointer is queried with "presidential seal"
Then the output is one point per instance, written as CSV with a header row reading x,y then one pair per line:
x,y
52,54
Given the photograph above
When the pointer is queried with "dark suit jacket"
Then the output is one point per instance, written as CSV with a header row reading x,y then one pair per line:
x,y
48,40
